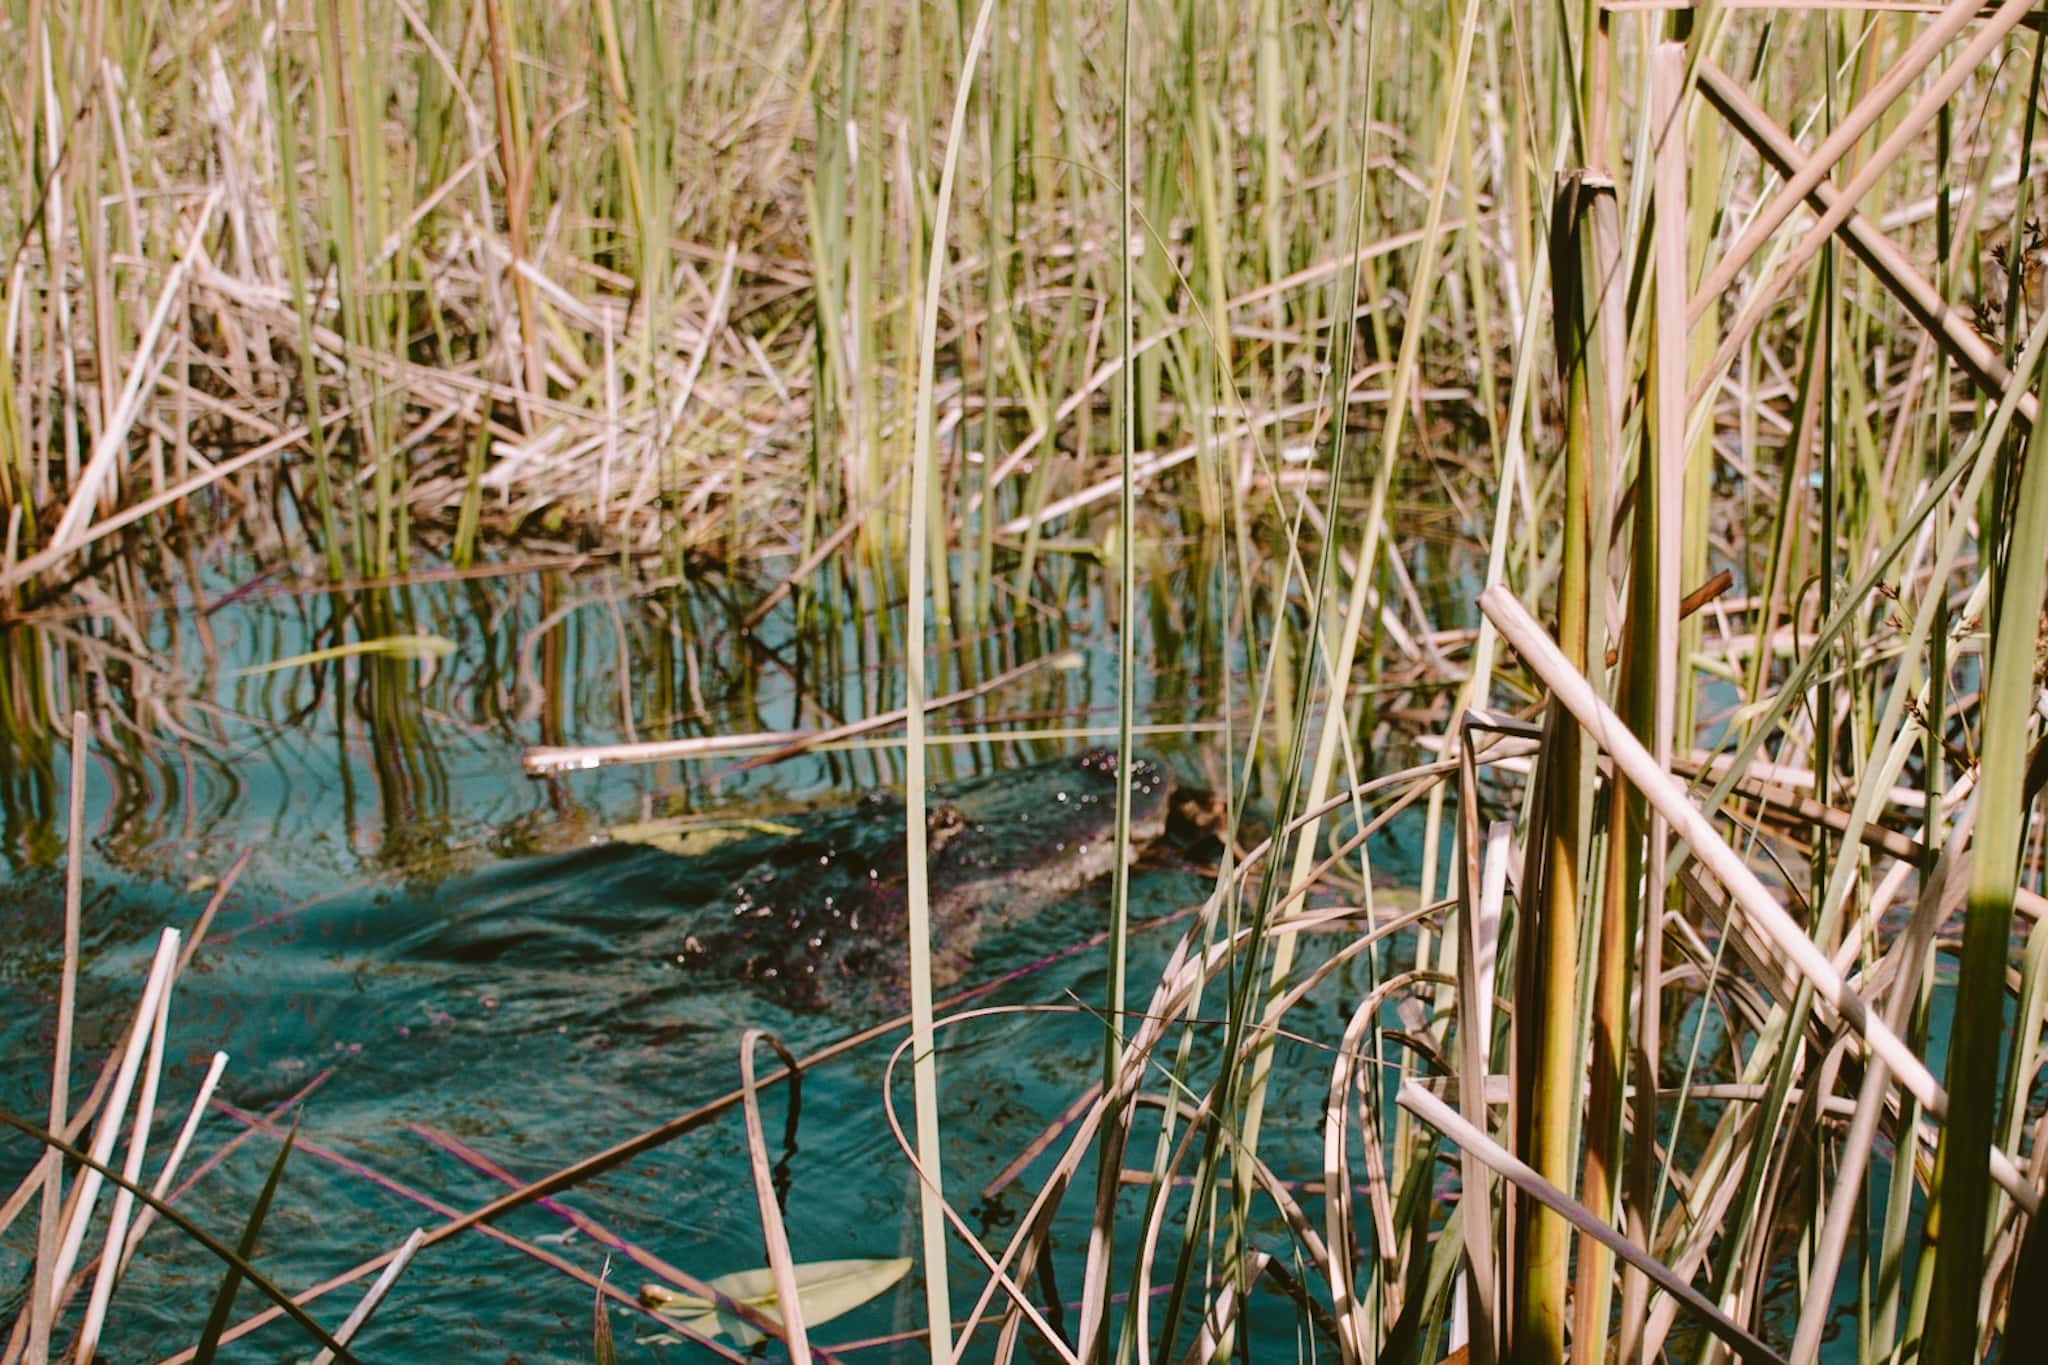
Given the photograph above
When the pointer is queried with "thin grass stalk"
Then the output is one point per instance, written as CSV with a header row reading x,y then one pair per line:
x,y
1880,163
1676,489
252,1229
113,438
337,150
1221,912
1241,983
515,165
1923,52
1969,467
1959,1225
42,1311
1911,950
1926,615
124,1198
1481,885
1098,1269
924,1064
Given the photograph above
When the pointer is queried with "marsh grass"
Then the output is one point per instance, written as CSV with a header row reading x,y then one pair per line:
x,y
920,324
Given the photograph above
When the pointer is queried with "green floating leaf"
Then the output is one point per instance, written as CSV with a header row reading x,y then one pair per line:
x,y
690,837
390,646
824,1290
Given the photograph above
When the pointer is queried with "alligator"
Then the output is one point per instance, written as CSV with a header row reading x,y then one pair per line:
x,y
819,922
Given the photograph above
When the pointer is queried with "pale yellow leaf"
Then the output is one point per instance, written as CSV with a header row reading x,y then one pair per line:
x,y
825,1289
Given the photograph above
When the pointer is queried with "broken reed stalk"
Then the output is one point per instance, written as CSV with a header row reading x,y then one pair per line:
x,y
172,1163
544,760
359,1316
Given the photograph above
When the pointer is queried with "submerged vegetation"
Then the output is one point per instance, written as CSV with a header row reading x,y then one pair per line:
x,y
1603,436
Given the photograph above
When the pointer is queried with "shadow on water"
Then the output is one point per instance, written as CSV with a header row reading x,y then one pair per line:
x,y
426,937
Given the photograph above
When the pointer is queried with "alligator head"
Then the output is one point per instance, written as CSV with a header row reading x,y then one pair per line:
x,y
821,921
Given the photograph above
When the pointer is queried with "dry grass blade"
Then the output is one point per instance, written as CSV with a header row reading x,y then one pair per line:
x,y
1879,164
789,1307
1942,888
49,1232
999,1279
602,1351
932,1208
360,1314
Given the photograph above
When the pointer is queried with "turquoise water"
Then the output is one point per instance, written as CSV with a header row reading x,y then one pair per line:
x,y
424,941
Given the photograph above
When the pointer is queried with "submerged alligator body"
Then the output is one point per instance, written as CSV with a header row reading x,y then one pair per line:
x,y
819,923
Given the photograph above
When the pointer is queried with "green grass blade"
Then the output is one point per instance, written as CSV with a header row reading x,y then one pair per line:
x,y
224,1298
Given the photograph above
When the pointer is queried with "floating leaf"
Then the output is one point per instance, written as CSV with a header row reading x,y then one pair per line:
x,y
691,837
390,646
824,1290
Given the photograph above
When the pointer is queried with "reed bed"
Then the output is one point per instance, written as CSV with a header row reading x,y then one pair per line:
x,y
1610,429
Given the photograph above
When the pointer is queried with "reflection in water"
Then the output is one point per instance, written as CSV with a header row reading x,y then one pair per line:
x,y
417,916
